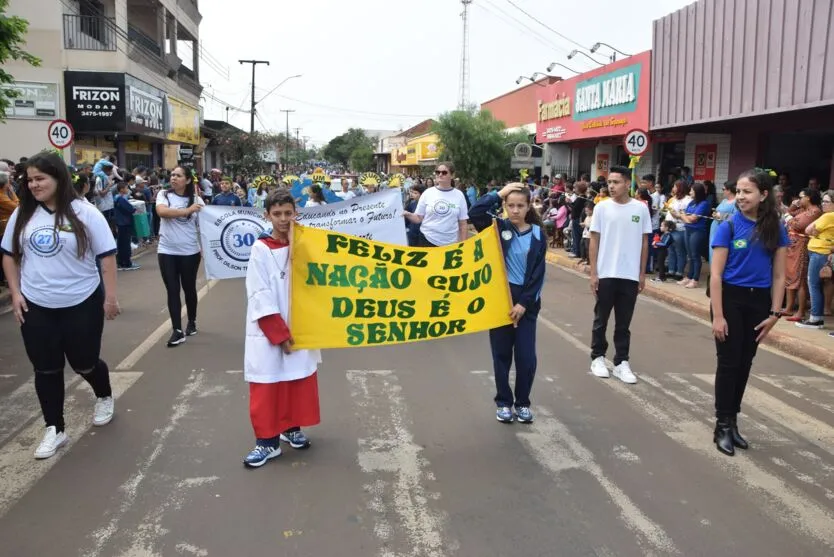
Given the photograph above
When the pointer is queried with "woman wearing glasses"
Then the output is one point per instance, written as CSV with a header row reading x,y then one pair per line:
x,y
441,212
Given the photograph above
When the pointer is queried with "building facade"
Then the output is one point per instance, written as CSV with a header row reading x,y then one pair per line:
x,y
123,73
582,121
744,84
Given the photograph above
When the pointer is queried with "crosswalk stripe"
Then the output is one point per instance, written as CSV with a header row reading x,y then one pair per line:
x,y
786,385
812,429
394,462
786,505
19,471
20,407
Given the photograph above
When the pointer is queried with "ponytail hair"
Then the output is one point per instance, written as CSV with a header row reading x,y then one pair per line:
x,y
767,219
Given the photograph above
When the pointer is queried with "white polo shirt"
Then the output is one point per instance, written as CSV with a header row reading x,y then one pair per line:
x,y
51,273
178,236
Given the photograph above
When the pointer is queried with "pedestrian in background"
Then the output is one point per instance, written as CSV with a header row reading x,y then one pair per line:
x,y
283,384
8,204
441,212
619,251
59,299
747,285
123,217
525,247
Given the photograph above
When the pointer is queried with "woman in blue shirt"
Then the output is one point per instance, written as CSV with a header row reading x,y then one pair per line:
x,y
524,246
226,195
696,225
747,284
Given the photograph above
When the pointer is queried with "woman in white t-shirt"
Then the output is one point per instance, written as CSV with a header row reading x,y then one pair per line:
x,y
179,249
442,212
316,198
58,297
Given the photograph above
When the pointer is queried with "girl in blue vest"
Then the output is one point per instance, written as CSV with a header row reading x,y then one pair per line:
x,y
524,247
747,284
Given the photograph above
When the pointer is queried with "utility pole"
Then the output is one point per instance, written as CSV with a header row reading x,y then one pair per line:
x,y
252,112
463,100
287,137
297,143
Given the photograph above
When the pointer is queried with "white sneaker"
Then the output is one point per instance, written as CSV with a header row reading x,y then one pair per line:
x,y
623,373
103,412
52,441
599,368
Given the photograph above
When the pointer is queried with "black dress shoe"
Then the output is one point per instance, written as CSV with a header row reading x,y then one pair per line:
x,y
738,440
723,436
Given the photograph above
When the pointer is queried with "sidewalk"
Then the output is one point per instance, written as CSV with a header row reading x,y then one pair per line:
x,y
811,345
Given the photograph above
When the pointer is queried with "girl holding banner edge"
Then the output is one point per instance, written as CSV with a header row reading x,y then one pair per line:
x,y
524,248
283,388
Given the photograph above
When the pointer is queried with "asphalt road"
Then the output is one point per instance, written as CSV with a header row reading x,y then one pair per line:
x,y
409,459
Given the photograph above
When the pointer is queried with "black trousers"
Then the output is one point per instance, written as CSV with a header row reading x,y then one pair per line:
x,y
123,246
53,336
744,308
520,341
662,252
621,296
180,271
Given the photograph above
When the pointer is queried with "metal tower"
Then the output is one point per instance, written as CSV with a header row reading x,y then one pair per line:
x,y
463,102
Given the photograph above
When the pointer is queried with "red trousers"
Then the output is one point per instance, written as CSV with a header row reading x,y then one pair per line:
x,y
276,407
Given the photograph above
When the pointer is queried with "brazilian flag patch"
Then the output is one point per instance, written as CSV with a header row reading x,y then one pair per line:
x,y
635,218
741,243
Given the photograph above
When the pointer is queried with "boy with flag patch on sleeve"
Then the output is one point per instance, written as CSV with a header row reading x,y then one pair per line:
x,y
283,388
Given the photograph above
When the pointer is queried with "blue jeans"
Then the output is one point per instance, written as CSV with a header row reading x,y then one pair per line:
x,y
576,230
123,246
695,242
677,254
815,263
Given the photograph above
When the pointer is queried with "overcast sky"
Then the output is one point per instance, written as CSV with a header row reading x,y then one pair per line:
x,y
388,64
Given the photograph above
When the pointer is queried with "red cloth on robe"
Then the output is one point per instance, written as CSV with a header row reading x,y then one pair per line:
x,y
276,407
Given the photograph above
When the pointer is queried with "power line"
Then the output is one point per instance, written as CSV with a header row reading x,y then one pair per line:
x,y
533,33
516,6
353,110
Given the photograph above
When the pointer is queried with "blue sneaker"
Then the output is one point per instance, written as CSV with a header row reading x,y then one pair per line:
x,y
258,456
296,439
504,415
524,414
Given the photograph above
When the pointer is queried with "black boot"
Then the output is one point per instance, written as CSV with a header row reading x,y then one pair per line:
x,y
738,440
723,437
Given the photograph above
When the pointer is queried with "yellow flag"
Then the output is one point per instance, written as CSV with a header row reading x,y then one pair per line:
x,y
348,292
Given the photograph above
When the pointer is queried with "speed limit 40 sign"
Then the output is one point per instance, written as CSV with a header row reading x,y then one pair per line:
x,y
61,134
636,142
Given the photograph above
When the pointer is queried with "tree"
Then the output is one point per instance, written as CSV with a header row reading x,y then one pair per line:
x,y
12,37
243,151
477,145
362,159
341,148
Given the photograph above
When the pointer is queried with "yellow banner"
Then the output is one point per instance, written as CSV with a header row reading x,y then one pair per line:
x,y
183,122
349,292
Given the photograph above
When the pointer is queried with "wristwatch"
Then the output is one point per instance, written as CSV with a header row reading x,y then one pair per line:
x,y
776,314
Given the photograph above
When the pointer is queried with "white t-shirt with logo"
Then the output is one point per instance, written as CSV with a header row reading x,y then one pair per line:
x,y
177,236
441,212
622,229
51,273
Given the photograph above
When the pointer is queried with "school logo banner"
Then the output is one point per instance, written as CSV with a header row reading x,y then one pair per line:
x,y
348,292
228,233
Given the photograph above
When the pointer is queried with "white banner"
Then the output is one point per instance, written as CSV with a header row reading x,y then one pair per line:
x,y
228,233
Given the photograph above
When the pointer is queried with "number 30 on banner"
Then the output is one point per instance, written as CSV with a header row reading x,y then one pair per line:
x,y
636,142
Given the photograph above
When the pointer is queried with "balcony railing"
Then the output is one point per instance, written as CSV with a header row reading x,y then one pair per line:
x,y
146,42
84,32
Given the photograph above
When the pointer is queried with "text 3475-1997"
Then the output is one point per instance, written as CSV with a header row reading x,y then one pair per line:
x,y
96,113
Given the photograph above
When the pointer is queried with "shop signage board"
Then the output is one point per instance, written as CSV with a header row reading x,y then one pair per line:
x,y
603,161
34,101
145,108
605,102
95,101
60,134
705,156
183,122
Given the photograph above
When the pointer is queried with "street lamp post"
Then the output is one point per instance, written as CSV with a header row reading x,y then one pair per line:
x,y
554,64
530,78
574,52
613,54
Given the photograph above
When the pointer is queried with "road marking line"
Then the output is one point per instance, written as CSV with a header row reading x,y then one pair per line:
x,y
781,384
21,406
129,490
556,449
20,470
786,504
646,299
810,428
396,466
137,354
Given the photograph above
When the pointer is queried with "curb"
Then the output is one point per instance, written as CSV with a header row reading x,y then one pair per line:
x,y
783,342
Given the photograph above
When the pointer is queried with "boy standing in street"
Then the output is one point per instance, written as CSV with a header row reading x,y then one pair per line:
x,y
619,250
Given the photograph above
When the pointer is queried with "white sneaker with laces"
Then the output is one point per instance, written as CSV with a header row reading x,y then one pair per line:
x,y
623,373
599,368
52,441
103,412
